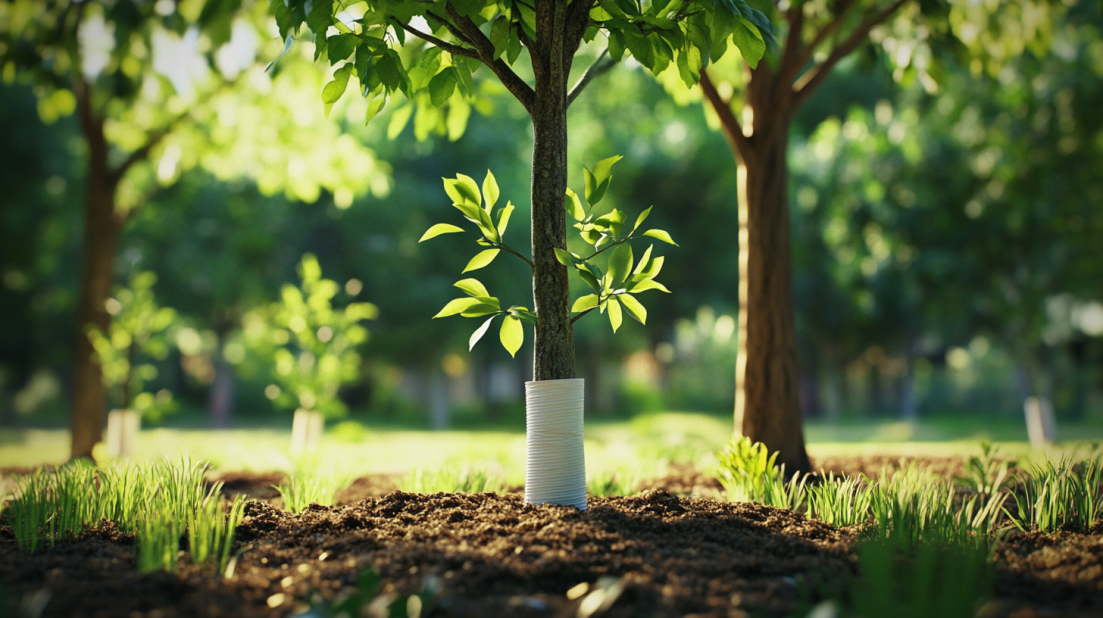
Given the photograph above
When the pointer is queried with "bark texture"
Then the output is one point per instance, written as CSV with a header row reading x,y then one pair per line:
x,y
552,52
767,387
101,235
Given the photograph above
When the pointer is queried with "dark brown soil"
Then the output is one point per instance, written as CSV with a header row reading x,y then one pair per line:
x,y
490,555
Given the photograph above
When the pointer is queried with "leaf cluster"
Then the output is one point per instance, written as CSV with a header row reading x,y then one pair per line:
x,y
313,343
364,38
623,276
137,335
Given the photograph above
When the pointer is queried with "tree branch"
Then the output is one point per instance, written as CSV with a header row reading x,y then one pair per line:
x,y
455,50
485,53
507,249
579,316
821,36
732,130
578,18
807,84
597,69
795,16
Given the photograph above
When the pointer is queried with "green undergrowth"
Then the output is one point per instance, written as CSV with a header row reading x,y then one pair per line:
x,y
924,541
158,503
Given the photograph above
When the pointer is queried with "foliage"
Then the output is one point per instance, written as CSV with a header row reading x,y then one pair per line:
x,y
301,491
366,41
600,232
138,332
211,533
840,501
745,467
158,542
986,473
938,580
156,503
613,483
313,343
1060,496
452,479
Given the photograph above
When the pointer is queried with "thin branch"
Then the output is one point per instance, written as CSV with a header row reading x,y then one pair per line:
x,y
527,261
807,84
455,50
597,69
822,35
795,16
578,19
579,316
143,153
733,131
485,53
607,247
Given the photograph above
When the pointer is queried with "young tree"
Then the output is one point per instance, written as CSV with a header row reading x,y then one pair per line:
x,y
445,41
137,74
818,35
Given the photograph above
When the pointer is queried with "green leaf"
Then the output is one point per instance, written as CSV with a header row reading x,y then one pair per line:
x,y
472,287
334,89
478,334
595,190
640,219
633,307
375,105
438,229
650,271
563,257
749,41
442,86
523,313
458,305
340,47
490,191
467,187
400,117
590,280
616,44
512,335
603,167
286,48
573,205
499,35
649,284
643,261
585,302
620,263
661,235
426,67
614,314
640,47
320,17
503,218
478,310
513,48
481,259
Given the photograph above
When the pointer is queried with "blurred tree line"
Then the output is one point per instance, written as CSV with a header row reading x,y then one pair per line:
x,y
946,252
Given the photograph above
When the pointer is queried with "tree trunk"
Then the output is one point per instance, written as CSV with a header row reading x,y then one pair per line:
x,y
101,235
553,356
220,400
767,405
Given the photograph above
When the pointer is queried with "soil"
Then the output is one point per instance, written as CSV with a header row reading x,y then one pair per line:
x,y
484,555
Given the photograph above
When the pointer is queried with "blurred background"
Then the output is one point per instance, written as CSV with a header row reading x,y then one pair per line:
x,y
947,237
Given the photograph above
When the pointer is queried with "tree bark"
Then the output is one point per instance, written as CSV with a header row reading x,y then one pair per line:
x,y
220,400
767,404
553,356
101,234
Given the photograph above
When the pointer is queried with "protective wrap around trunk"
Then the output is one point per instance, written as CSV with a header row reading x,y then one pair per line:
x,y
556,462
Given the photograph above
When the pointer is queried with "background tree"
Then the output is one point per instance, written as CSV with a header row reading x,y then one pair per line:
x,y
816,36
466,34
136,74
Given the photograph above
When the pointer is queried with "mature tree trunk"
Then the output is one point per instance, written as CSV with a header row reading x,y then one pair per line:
x,y
220,399
551,63
101,234
767,404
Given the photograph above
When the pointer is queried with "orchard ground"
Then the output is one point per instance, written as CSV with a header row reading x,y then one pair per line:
x,y
673,548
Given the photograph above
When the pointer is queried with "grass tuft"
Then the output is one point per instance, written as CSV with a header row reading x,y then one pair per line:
x,y
1059,496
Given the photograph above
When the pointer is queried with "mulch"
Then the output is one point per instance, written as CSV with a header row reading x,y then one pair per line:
x,y
660,553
